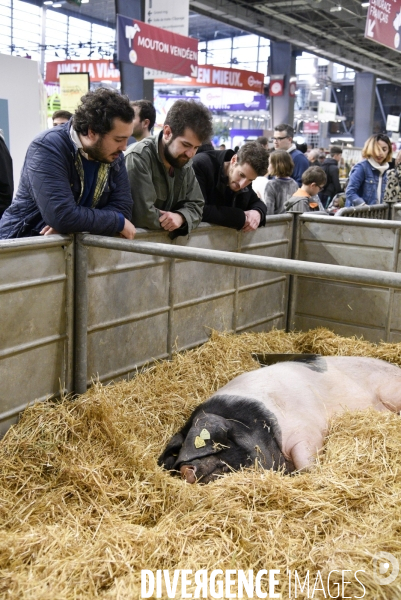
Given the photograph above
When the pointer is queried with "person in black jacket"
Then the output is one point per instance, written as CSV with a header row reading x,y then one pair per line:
x,y
6,176
225,179
330,167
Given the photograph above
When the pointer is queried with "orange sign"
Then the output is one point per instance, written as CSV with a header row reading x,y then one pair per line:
x,y
210,76
99,70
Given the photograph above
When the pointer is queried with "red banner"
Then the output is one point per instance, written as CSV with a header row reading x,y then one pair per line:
x,y
147,46
383,23
99,70
210,76
276,87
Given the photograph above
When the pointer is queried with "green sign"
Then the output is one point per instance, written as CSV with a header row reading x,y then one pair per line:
x,y
78,2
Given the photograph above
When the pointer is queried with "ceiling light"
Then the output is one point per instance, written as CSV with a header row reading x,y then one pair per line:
x,y
365,4
48,2
336,8
84,1
57,5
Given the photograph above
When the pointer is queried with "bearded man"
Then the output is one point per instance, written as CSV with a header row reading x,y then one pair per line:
x,y
225,179
164,188
74,177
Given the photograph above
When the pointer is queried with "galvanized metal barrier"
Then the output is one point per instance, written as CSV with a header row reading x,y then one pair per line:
x,y
141,308
347,309
36,307
84,368
396,212
367,211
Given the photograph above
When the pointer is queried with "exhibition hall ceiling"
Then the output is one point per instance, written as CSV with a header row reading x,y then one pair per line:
x,y
332,29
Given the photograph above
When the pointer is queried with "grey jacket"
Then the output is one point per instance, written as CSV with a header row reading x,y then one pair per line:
x,y
152,188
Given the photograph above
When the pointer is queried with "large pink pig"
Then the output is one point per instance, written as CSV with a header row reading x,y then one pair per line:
x,y
278,415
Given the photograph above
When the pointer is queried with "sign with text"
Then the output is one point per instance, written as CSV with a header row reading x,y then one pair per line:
x,y
393,123
326,111
147,46
99,70
210,76
72,87
173,16
311,127
383,23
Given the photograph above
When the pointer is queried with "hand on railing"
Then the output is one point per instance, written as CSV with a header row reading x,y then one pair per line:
x,y
129,230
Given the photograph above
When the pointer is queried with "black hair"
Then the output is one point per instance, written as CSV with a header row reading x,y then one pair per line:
x,y
146,111
255,155
314,175
99,108
62,114
192,115
285,127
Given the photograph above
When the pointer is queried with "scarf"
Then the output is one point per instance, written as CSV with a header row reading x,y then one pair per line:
x,y
382,169
102,175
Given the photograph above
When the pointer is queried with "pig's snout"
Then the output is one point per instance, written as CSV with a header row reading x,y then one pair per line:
x,y
188,473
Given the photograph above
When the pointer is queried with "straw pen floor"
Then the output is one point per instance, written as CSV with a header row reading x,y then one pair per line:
x,y
84,506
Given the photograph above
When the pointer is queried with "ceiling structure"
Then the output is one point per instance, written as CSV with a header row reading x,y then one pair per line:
x,y
332,29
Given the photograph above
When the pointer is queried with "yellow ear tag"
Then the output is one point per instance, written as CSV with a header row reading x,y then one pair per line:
x,y
204,434
199,443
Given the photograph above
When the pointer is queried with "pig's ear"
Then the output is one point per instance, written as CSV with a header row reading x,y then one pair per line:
x,y
169,456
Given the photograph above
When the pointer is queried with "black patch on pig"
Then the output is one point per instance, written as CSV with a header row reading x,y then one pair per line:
x,y
242,431
314,361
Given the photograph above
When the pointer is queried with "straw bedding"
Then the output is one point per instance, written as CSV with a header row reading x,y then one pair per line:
x,y
84,507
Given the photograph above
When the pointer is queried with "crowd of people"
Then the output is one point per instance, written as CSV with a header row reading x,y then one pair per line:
x,y
80,175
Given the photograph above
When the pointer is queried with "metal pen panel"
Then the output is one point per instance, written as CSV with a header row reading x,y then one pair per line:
x,y
36,308
263,295
347,309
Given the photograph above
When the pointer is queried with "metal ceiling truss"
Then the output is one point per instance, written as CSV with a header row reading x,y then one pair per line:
x,y
311,25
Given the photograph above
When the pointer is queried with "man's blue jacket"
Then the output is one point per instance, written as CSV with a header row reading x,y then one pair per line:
x,y
50,188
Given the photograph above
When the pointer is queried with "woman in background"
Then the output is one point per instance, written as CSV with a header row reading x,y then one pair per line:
x,y
282,187
368,178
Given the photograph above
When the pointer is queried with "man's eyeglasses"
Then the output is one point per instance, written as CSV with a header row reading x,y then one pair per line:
x,y
280,138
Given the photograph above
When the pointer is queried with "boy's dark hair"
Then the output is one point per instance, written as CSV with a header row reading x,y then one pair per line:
x,y
262,140
255,155
99,108
285,127
314,175
192,115
62,114
146,111
281,164
335,150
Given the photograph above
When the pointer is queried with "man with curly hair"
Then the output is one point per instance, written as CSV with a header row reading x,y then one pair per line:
x,y
164,188
74,177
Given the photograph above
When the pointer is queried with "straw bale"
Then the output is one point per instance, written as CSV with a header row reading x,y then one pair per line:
x,y
84,506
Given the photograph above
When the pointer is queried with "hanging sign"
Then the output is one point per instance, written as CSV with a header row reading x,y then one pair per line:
x,y
393,123
173,16
383,23
276,87
99,70
326,111
72,87
210,76
147,46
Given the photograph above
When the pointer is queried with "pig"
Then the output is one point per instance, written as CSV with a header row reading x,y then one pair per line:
x,y
277,416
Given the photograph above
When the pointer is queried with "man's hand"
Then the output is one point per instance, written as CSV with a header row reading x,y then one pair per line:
x,y
171,220
252,220
129,230
47,230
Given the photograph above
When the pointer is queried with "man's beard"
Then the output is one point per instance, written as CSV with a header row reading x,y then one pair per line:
x,y
175,161
95,152
231,170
